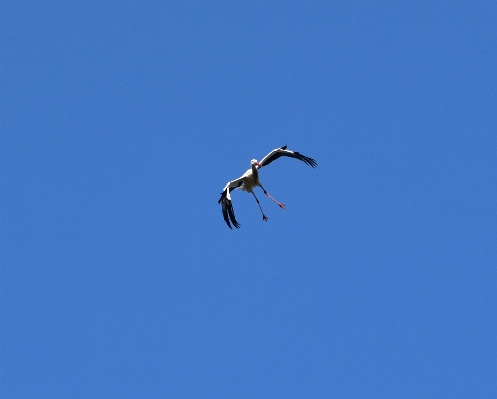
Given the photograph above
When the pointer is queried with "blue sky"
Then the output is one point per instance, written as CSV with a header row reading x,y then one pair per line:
x,y
121,122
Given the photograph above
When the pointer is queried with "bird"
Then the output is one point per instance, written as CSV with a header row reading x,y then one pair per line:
x,y
250,179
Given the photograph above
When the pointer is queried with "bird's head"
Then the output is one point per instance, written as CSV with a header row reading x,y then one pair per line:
x,y
254,162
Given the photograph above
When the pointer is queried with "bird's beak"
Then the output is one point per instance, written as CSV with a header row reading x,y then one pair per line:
x,y
258,164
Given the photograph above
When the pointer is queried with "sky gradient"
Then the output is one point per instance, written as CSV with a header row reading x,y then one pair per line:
x,y
121,122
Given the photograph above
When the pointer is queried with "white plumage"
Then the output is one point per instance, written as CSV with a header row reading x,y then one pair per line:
x,y
250,179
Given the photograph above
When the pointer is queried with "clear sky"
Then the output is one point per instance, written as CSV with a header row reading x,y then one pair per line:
x,y
121,122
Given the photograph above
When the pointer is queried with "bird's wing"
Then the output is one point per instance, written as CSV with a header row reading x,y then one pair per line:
x,y
283,152
225,201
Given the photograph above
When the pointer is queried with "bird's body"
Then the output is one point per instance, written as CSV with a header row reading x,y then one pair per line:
x,y
250,179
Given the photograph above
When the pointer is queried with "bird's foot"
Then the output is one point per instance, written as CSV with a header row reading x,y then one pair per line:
x,y
282,206
264,218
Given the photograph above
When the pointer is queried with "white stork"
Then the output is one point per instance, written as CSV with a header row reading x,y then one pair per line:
x,y
250,180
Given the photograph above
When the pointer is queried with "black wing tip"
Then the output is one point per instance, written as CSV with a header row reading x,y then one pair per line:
x,y
231,214
312,162
307,160
228,213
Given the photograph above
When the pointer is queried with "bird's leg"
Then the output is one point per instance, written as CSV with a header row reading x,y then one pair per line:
x,y
282,206
264,217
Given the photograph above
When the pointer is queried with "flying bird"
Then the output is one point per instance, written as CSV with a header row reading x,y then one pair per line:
x,y
250,180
